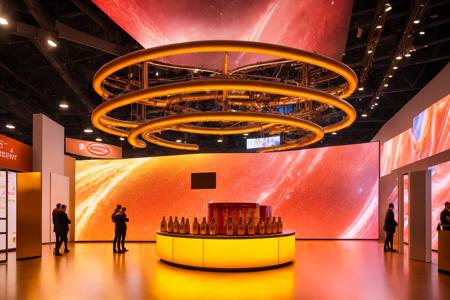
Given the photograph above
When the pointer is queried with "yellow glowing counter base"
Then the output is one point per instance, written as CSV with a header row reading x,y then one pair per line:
x,y
226,252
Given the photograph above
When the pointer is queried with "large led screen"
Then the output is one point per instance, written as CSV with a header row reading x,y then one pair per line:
x,y
315,25
320,193
429,135
440,193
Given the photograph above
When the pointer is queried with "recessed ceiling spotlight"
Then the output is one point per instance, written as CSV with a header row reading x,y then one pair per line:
x,y
416,21
10,126
122,139
375,104
378,27
219,140
364,115
88,130
246,134
334,133
178,141
390,76
369,51
377,97
157,74
195,70
408,55
386,85
395,68
64,105
387,7
361,88
98,139
52,43
399,57
422,32
4,21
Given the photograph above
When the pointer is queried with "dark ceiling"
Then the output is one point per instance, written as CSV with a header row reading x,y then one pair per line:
x,y
35,78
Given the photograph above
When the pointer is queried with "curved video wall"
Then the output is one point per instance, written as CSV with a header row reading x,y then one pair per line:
x,y
320,193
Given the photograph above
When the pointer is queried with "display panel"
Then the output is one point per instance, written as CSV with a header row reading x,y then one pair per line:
x,y
263,142
203,180
12,202
320,193
290,23
440,193
429,135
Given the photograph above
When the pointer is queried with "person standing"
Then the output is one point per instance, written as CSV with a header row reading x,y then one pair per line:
x,y
62,222
445,216
116,231
55,210
121,226
389,227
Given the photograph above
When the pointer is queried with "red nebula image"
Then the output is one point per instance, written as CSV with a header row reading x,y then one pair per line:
x,y
319,26
329,192
429,135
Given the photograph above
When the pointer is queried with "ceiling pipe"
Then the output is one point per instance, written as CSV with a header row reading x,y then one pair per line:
x,y
35,9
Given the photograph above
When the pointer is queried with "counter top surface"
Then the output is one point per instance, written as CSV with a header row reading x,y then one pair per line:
x,y
232,237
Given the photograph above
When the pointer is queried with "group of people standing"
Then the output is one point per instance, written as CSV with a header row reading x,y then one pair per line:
x,y
61,223
120,220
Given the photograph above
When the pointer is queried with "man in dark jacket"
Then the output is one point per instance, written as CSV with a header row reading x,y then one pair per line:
x,y
55,210
116,245
121,226
61,228
389,227
445,217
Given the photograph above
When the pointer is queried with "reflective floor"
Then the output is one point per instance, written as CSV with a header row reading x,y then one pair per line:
x,y
323,270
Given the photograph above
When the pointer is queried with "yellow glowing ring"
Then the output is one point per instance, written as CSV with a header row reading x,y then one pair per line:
x,y
163,123
225,46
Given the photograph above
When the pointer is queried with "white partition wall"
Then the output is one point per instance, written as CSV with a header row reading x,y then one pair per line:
x,y
48,157
420,216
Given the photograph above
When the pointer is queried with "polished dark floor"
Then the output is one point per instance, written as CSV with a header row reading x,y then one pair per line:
x,y
348,270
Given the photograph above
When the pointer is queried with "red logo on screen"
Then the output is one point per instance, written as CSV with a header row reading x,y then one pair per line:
x,y
98,149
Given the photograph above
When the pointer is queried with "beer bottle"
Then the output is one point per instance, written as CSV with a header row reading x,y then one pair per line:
x,y
170,225
250,227
187,227
240,227
274,226
195,227
268,226
204,227
182,225
279,225
176,226
163,227
261,226
212,227
229,227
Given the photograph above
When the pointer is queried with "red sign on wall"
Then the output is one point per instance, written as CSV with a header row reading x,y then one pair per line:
x,y
15,155
92,149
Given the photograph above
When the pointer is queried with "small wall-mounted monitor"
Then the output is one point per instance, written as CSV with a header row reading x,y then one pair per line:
x,y
203,180
263,142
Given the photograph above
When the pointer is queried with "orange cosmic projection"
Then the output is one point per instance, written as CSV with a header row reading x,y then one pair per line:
x,y
329,192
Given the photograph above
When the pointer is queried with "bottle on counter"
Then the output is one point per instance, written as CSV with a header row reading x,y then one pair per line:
x,y
204,227
163,227
182,224
240,227
279,225
212,227
170,225
251,227
195,227
261,226
268,226
274,229
229,227
176,226
187,227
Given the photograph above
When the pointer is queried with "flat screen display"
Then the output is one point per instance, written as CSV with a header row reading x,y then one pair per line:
x,y
203,181
329,192
263,142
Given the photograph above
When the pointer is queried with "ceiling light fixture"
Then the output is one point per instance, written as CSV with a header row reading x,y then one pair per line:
x,y
408,55
416,21
375,104
88,130
334,133
369,51
246,134
399,57
64,105
386,85
395,68
361,89
378,27
178,141
219,140
422,32
364,115
98,139
52,43
122,139
390,76
3,21
10,126
387,7
377,97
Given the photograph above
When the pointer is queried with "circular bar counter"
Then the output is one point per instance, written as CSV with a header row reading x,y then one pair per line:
x,y
222,252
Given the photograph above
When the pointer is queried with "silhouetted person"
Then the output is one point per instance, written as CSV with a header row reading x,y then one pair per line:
x,y
62,222
121,226
116,231
389,227
445,217
55,210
